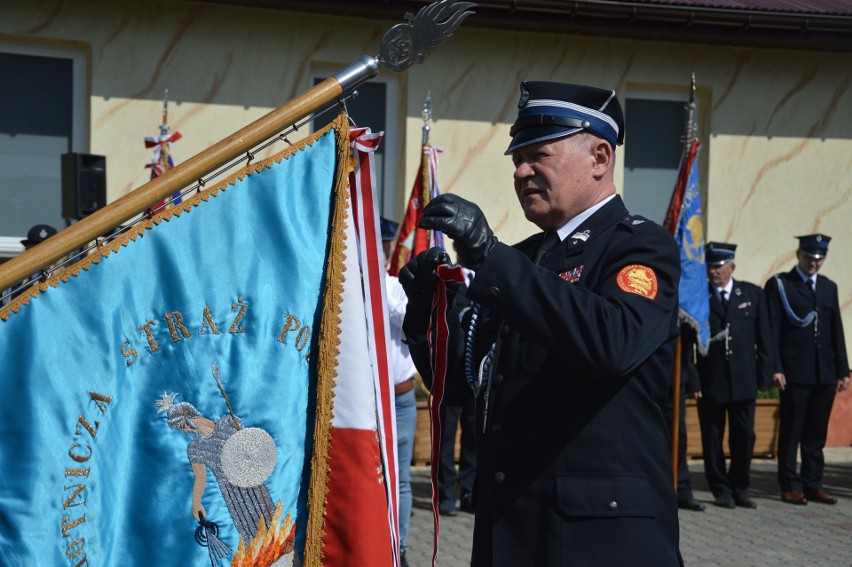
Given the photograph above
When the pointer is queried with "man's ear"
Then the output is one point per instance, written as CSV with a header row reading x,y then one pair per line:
x,y
603,156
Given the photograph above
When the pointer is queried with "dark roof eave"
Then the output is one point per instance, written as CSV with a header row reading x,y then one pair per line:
x,y
683,26
624,20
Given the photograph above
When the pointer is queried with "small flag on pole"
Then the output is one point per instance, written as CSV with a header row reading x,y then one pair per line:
x,y
161,161
412,240
684,221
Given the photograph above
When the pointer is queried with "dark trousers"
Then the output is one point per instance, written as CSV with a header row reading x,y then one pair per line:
x,y
448,476
740,416
804,422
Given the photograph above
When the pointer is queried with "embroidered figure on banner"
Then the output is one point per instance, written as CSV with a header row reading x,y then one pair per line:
x,y
241,460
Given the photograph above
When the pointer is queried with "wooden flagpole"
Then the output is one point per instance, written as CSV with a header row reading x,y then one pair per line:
x,y
676,387
125,208
676,409
402,45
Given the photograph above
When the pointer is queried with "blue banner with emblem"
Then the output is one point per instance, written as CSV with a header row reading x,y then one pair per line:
x,y
689,234
158,397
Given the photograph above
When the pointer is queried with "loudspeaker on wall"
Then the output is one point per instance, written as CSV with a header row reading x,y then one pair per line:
x,y
83,184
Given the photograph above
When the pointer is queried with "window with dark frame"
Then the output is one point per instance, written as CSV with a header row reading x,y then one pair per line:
x,y
36,128
652,151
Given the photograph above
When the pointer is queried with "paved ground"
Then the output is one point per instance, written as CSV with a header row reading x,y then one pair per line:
x,y
775,534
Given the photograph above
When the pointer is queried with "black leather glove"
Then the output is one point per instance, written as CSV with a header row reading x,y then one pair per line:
x,y
464,222
419,280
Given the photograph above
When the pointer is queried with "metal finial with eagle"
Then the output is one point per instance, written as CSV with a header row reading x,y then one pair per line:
x,y
405,44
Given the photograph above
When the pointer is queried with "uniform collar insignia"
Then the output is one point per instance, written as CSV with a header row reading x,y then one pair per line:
x,y
584,235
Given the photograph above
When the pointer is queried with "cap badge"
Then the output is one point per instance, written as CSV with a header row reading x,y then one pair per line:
x,y
525,96
638,279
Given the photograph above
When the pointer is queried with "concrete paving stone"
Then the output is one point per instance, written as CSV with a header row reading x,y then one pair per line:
x,y
775,534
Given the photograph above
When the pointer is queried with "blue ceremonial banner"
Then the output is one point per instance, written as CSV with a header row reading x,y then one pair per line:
x,y
694,302
159,398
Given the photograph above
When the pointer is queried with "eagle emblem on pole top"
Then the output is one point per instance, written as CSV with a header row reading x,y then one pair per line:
x,y
409,43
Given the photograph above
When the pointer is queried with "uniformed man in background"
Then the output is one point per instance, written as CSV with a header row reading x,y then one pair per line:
x,y
735,368
36,235
809,367
569,346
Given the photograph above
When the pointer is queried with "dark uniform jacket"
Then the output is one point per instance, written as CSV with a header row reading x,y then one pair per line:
x,y
573,466
808,355
738,365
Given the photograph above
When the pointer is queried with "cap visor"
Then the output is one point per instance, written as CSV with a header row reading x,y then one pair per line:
x,y
815,254
529,136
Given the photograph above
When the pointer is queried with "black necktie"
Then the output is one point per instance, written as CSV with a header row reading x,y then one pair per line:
x,y
723,295
548,243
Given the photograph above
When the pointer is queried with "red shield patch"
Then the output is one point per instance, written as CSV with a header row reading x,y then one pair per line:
x,y
638,279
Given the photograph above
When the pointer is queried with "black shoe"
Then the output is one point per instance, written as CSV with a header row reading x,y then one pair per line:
x,y
690,504
744,501
725,501
466,503
449,510
402,561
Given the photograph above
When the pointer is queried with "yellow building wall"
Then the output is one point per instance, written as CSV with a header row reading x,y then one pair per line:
x,y
776,125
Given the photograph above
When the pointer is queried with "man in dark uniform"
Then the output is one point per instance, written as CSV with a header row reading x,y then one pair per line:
x,y
736,366
572,332
457,418
809,365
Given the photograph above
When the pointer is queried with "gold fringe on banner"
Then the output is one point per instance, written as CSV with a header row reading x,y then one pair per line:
x,y
329,348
